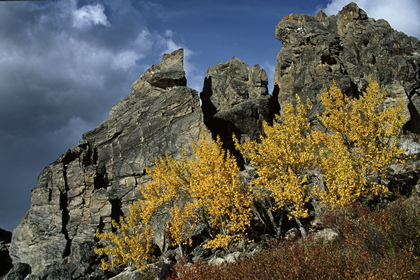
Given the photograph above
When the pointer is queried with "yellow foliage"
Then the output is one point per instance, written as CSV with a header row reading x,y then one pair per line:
x,y
181,225
225,201
204,189
282,156
353,153
360,142
131,242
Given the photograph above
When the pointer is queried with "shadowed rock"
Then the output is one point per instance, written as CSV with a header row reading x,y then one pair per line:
x,y
235,100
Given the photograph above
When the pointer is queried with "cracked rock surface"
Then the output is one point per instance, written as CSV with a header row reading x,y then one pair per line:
x,y
349,48
96,181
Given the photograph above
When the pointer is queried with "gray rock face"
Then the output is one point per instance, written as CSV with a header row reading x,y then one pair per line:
x,y
349,48
235,100
96,181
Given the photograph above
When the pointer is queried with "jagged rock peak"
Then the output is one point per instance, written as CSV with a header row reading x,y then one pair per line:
x,y
349,48
169,73
230,83
235,100
96,181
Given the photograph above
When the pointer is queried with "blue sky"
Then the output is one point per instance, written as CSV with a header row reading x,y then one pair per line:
x,y
63,64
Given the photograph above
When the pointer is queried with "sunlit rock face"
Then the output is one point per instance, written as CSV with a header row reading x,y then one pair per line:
x,y
349,48
96,181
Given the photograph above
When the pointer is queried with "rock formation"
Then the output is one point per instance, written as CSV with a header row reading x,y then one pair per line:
x,y
95,182
349,48
235,100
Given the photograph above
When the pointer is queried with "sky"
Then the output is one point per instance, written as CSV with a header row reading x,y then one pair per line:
x,y
64,63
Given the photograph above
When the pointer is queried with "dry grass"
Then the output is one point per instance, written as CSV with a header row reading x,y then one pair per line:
x,y
375,244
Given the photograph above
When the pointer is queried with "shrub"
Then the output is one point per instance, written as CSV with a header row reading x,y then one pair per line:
x,y
205,189
358,143
352,153
373,246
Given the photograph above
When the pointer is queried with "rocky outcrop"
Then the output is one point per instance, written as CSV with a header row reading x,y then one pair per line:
x,y
231,89
349,48
95,182
235,100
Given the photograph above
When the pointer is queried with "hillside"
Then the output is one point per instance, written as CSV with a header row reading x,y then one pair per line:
x,y
96,181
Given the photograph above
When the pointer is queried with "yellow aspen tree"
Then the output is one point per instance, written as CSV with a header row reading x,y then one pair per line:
x,y
282,156
343,182
359,144
168,192
205,189
182,223
225,200
131,243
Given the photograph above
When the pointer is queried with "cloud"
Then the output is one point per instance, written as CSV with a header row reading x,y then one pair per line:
x,y
90,15
270,68
403,15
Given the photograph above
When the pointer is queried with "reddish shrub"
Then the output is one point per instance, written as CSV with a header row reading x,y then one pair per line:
x,y
380,244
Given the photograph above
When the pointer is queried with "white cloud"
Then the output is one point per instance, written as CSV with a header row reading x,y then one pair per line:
x,y
90,15
270,68
144,41
403,15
